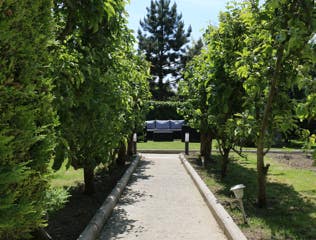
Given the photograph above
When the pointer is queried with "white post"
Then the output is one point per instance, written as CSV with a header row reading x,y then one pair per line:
x,y
187,140
135,143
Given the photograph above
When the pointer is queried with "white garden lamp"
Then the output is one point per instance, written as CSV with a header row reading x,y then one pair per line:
x,y
135,137
187,140
135,143
238,191
187,137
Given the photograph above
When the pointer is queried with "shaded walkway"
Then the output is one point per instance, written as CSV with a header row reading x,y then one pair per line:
x,y
161,202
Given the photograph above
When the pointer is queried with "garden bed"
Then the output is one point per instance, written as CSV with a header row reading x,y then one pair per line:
x,y
70,221
301,161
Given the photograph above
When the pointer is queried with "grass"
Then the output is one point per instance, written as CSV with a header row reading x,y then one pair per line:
x,y
175,145
291,211
66,177
178,145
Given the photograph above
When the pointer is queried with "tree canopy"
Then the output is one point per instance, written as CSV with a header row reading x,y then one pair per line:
x,y
95,99
72,88
242,82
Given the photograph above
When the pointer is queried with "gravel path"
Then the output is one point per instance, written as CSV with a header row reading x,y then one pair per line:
x,y
161,202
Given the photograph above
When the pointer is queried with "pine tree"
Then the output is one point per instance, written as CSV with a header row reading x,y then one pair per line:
x,y
163,40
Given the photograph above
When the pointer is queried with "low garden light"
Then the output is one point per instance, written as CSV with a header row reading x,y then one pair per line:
x,y
187,140
135,143
135,137
238,191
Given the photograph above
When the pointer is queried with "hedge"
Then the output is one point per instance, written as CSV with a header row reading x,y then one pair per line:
x,y
164,110
27,118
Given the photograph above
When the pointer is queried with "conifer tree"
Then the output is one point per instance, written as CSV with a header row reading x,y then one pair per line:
x,y
27,118
163,40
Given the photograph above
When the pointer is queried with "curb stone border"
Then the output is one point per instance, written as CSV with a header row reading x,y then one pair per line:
x,y
94,227
230,228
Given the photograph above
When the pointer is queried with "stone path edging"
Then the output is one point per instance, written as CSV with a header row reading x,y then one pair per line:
x,y
92,230
231,230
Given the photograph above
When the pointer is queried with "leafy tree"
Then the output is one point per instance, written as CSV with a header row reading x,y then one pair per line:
x,y
272,62
224,87
27,121
163,40
212,80
96,69
134,71
270,56
195,108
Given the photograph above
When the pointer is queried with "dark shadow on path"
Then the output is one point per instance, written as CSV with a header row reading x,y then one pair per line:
x,y
120,223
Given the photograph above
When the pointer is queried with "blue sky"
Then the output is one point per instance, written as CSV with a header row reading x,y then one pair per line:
x,y
197,13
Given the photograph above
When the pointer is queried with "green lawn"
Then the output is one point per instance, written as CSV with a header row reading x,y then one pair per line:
x,y
291,211
177,145
66,177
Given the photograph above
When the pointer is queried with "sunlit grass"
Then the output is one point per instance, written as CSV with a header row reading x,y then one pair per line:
x,y
178,145
291,210
175,145
66,177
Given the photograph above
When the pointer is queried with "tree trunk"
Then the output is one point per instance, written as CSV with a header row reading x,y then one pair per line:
x,y
225,161
122,154
88,173
130,147
161,95
261,178
261,168
206,146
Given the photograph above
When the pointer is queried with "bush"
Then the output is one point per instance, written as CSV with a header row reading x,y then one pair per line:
x,y
164,111
27,118
56,198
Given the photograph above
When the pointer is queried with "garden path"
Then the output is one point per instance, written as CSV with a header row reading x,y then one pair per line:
x,y
161,202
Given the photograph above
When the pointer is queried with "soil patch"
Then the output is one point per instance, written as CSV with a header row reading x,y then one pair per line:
x,y
297,160
69,222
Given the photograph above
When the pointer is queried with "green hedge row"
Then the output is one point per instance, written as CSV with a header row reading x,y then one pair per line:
x,y
164,110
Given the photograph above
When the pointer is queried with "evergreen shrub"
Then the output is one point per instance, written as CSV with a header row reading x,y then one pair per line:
x,y
27,118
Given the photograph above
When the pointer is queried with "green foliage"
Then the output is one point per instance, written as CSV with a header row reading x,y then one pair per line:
x,y
193,50
101,83
273,62
56,198
243,81
27,119
163,39
212,88
307,109
276,57
163,110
